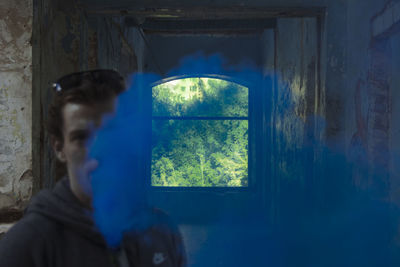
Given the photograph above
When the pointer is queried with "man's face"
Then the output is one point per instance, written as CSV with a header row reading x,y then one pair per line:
x,y
80,124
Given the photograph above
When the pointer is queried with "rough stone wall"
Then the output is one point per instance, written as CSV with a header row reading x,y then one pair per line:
x,y
15,103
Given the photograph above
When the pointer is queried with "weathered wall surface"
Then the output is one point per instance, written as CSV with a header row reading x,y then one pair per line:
x,y
327,88
64,34
395,119
297,58
372,96
56,46
15,102
356,102
82,42
29,61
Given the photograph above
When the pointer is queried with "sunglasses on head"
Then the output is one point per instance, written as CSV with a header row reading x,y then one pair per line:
x,y
77,78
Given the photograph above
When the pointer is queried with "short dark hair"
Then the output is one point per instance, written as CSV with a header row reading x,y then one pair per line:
x,y
86,87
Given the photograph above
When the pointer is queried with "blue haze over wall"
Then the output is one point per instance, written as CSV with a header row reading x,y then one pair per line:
x,y
331,222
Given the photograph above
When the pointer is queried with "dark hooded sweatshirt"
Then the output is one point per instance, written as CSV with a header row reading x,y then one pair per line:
x,y
57,231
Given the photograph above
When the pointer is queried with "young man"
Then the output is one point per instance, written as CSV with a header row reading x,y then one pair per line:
x,y
57,228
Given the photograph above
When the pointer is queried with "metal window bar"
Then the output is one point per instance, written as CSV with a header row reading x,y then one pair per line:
x,y
197,118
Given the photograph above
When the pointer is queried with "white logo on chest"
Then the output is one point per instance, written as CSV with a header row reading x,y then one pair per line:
x,y
158,258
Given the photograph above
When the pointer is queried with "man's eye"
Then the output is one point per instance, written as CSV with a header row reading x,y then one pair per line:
x,y
80,137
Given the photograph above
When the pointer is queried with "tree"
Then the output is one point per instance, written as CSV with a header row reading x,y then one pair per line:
x,y
200,152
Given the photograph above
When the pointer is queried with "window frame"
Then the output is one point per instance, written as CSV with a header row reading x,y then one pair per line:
x,y
206,204
251,187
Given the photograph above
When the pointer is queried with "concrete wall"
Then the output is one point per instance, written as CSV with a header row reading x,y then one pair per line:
x,y
15,102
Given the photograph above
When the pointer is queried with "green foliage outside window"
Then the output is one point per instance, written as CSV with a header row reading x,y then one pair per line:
x,y
200,133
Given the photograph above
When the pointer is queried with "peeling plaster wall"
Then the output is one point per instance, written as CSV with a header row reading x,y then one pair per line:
x,y
15,102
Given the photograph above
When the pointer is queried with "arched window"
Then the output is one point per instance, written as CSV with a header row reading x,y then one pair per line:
x,y
200,133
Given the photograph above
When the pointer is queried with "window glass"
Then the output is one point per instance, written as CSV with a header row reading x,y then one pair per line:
x,y
200,97
200,134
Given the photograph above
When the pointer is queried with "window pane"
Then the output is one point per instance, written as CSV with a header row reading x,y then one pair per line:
x,y
200,97
211,153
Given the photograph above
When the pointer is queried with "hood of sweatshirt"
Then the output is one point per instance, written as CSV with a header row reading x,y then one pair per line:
x,y
61,206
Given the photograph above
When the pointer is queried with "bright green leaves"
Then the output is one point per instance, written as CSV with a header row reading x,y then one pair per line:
x,y
208,149
200,97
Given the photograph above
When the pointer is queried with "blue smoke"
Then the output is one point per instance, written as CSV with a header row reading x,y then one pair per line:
x,y
323,219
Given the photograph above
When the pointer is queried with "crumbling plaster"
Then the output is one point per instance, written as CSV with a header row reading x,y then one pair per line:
x,y
15,102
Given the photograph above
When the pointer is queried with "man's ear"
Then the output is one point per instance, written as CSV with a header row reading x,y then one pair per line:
x,y
58,146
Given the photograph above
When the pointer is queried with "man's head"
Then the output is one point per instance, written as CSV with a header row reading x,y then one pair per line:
x,y
79,105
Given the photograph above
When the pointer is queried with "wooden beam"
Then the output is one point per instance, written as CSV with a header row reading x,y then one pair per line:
x,y
238,12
